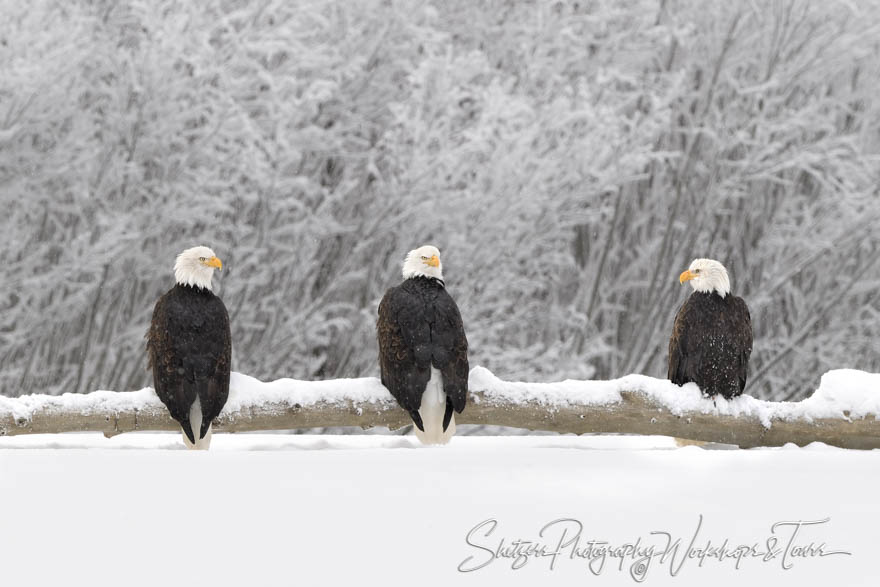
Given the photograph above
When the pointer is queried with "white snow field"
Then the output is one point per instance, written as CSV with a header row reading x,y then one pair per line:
x,y
272,509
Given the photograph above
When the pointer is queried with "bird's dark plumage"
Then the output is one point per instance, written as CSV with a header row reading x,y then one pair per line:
x,y
420,326
189,347
711,344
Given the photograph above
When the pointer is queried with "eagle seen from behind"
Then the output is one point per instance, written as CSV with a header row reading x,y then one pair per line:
x,y
189,347
423,348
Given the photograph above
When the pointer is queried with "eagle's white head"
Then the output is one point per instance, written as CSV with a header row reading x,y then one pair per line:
x,y
706,276
424,261
195,267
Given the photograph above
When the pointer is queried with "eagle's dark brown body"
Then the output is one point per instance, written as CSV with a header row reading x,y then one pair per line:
x,y
711,344
419,327
189,347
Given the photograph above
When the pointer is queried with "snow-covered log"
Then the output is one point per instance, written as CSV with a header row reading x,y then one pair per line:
x,y
842,412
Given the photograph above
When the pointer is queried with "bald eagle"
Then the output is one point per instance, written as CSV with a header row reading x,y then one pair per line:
x,y
189,347
423,348
712,336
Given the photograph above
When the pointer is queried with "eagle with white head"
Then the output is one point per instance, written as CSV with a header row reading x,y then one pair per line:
x,y
423,348
712,335
189,346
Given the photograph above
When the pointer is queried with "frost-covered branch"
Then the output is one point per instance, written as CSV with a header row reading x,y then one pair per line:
x,y
842,412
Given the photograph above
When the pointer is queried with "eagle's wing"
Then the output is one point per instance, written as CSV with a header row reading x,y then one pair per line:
x,y
168,367
404,337
743,333
683,357
451,353
212,385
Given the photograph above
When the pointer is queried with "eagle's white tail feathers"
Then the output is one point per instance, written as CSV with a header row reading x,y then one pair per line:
x,y
195,421
432,410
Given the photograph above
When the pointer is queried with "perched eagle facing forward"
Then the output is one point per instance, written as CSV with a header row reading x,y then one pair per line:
x,y
189,347
712,336
423,347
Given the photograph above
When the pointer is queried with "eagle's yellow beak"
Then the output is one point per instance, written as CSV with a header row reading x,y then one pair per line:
x,y
686,276
434,261
215,262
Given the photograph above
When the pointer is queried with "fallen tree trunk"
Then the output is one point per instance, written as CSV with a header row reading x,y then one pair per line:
x,y
551,407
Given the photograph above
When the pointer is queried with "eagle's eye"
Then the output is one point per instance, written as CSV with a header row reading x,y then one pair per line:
x,y
203,259
696,270
424,258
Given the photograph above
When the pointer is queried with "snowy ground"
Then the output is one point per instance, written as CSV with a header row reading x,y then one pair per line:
x,y
281,509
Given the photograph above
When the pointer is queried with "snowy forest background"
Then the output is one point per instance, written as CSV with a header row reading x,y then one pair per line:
x,y
568,158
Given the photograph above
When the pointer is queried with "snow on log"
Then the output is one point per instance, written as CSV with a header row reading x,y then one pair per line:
x,y
842,412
